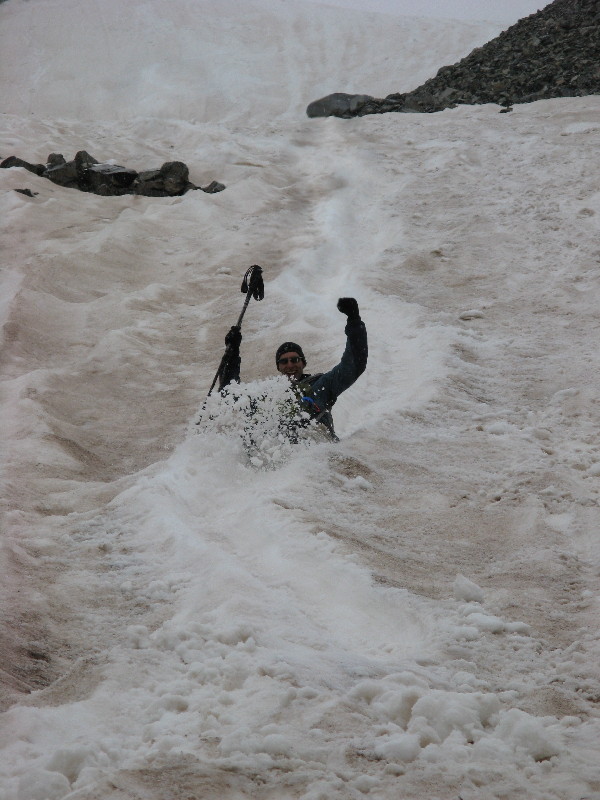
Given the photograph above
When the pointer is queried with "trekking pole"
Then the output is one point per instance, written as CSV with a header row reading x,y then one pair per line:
x,y
253,286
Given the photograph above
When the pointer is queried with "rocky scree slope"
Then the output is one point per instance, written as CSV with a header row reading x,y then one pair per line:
x,y
553,53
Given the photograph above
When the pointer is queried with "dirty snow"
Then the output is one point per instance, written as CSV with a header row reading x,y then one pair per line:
x,y
411,612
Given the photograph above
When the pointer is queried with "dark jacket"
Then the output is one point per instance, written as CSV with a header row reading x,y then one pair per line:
x,y
325,388
322,390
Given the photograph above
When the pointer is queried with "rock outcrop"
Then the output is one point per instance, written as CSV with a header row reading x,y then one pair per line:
x,y
87,174
338,104
553,53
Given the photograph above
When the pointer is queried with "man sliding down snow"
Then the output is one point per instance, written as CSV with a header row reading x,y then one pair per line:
x,y
316,393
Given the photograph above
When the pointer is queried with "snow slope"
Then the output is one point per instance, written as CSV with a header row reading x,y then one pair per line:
x,y
409,613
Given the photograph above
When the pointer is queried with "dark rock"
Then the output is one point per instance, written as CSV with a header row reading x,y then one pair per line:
x,y
213,187
84,172
172,179
338,105
83,162
27,192
62,172
55,160
176,177
553,53
13,161
147,181
109,179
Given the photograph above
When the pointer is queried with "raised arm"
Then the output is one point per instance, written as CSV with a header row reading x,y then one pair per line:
x,y
330,385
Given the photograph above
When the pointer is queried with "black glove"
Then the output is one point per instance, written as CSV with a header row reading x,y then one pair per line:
x,y
349,307
234,337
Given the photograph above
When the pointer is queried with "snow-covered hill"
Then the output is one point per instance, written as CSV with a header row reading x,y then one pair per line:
x,y
198,62
409,613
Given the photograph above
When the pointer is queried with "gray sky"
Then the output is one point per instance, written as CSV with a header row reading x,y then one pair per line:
x,y
508,11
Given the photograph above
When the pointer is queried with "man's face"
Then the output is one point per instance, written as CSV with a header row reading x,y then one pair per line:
x,y
290,364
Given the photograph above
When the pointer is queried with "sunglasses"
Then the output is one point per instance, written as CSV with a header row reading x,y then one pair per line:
x,y
291,359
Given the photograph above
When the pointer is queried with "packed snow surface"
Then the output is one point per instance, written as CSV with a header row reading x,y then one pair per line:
x,y
409,613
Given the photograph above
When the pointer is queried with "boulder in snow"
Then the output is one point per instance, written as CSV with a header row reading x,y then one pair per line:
x,y
86,173
13,161
338,104
171,179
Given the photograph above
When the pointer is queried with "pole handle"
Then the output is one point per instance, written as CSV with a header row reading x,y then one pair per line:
x,y
252,286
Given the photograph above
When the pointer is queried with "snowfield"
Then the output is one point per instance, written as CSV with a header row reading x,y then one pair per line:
x,y
409,614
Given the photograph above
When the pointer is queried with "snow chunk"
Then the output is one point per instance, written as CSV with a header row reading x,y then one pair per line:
x,y
359,482
493,624
444,712
235,634
168,702
276,745
528,733
367,690
70,761
473,313
487,622
402,747
244,741
396,706
467,632
365,783
464,589
240,740
138,636
41,784
517,627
